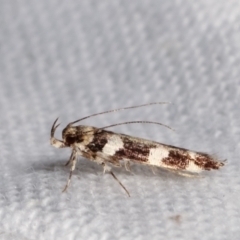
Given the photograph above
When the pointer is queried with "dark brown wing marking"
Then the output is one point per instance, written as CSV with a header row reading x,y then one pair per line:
x,y
133,150
181,158
206,162
177,158
98,142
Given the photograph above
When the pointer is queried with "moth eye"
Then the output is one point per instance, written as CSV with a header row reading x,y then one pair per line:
x,y
70,140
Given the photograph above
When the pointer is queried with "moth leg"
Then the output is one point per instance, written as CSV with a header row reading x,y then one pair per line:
x,y
120,183
108,169
185,174
70,159
153,170
127,166
110,159
73,160
191,175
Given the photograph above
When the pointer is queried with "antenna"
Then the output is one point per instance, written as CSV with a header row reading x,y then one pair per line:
x,y
118,109
117,124
123,123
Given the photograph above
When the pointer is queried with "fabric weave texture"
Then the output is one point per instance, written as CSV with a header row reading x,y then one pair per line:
x,y
70,59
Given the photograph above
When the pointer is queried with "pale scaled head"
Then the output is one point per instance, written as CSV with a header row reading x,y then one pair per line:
x,y
71,134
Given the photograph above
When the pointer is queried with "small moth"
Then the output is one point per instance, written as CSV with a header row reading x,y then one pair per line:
x,y
114,149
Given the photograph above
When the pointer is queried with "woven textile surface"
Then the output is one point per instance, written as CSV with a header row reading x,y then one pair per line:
x,y
70,59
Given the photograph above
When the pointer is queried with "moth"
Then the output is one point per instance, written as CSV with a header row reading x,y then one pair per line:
x,y
111,149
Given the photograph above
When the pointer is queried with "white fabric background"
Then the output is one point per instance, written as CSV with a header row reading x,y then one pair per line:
x,y
75,58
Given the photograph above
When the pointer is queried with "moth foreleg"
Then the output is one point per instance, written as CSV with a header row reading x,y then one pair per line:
x,y
70,159
73,161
